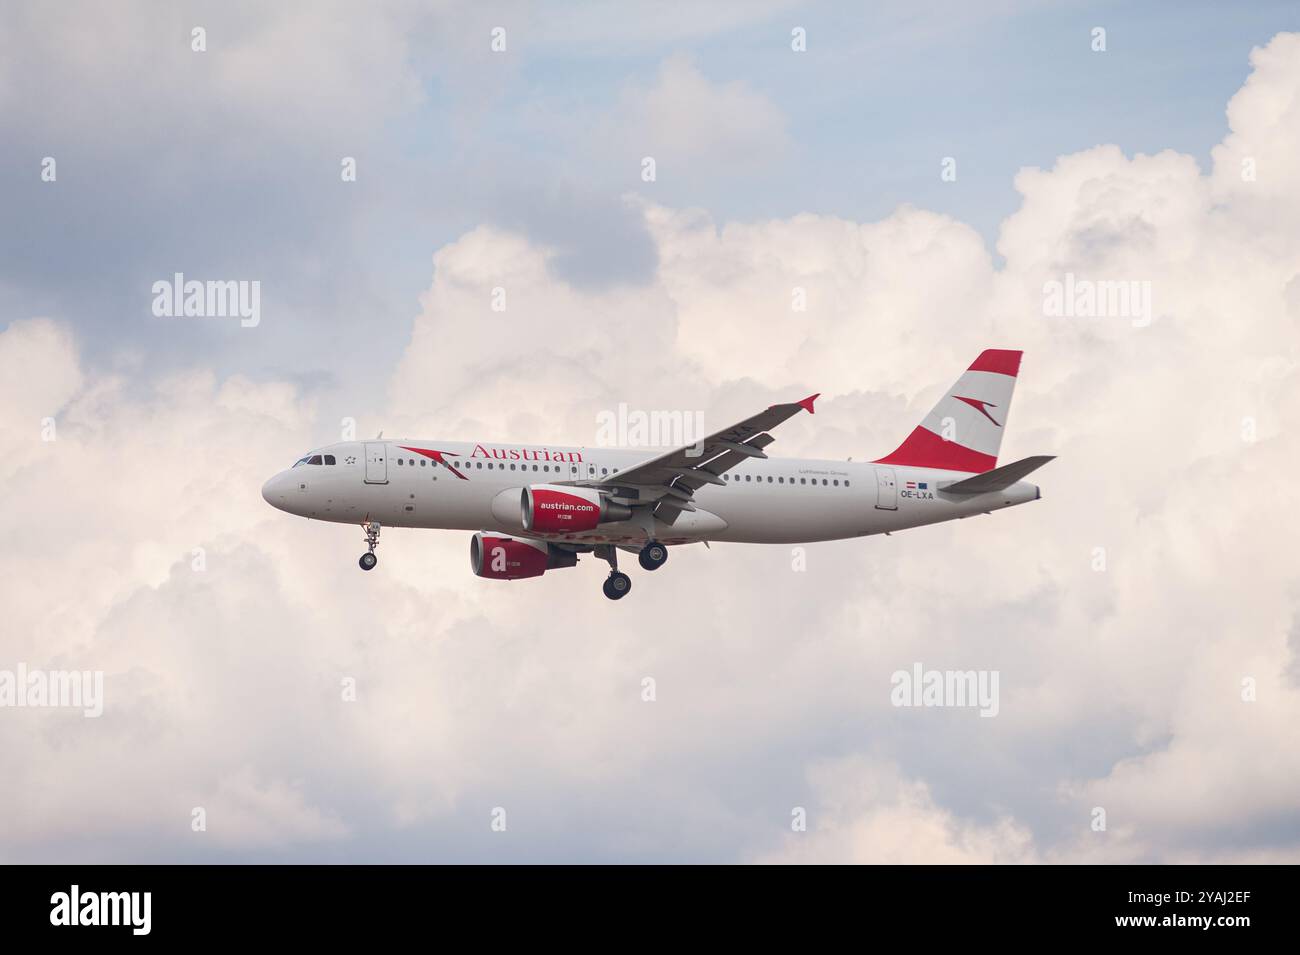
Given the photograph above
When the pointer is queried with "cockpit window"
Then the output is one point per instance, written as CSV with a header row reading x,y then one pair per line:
x,y
316,459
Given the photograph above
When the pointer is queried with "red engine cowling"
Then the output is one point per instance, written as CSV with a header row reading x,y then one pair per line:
x,y
498,557
556,509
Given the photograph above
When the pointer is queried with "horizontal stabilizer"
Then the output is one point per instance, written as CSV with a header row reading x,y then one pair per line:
x,y
999,479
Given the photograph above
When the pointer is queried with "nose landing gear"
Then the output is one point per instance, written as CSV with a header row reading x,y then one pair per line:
x,y
368,559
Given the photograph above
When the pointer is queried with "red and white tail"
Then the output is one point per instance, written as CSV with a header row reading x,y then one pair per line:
x,y
964,430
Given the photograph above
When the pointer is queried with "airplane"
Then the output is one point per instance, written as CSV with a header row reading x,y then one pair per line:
x,y
536,507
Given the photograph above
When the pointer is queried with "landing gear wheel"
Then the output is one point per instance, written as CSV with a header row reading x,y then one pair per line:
x,y
368,559
617,585
653,555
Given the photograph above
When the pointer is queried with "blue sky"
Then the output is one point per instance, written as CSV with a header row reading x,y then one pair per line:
x,y
880,97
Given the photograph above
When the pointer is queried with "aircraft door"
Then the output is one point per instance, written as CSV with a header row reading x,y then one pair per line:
x,y
376,463
886,489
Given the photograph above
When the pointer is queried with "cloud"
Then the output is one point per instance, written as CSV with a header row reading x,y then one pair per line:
x,y
41,375
1255,166
594,242
1123,611
223,163
279,75
693,127
877,818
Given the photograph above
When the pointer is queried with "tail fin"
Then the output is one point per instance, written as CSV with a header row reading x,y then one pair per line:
x,y
964,430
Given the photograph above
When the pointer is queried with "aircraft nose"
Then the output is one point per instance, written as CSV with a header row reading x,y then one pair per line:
x,y
273,491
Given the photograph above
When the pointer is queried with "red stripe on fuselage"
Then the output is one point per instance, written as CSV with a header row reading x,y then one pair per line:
x,y
438,458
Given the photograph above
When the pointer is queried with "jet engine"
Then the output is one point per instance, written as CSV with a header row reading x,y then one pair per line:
x,y
498,557
556,509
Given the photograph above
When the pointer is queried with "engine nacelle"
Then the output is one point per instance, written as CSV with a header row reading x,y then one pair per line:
x,y
498,557
557,509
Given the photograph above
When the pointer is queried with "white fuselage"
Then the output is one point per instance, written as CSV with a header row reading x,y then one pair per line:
x,y
765,501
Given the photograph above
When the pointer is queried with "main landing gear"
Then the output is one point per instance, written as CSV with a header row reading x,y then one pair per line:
x,y
653,555
368,559
616,584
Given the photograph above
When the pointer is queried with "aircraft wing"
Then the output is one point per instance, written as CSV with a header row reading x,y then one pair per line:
x,y
670,480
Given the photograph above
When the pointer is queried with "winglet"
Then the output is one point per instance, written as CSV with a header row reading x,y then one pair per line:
x,y
807,403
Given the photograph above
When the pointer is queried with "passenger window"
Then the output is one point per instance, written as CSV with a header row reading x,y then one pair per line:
x,y
823,482
846,483
837,483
